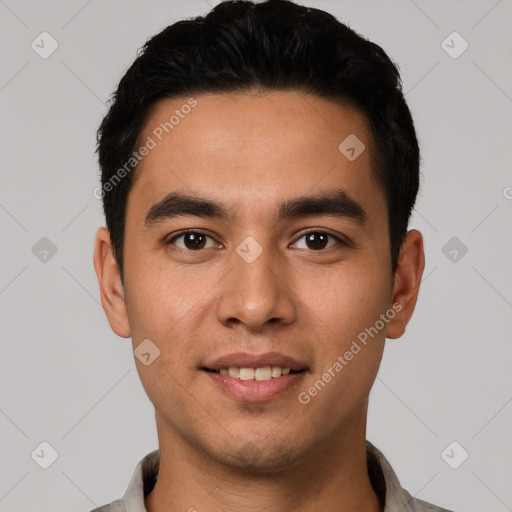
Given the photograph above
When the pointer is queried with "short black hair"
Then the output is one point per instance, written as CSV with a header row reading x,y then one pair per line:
x,y
277,45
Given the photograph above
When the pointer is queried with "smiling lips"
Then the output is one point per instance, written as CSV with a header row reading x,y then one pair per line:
x,y
264,373
255,378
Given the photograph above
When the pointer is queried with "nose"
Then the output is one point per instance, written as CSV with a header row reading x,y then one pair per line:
x,y
257,293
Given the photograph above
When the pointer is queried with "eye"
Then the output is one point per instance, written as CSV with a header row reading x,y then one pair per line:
x,y
195,240
318,240
192,240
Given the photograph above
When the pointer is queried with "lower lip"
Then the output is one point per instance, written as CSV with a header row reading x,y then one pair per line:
x,y
256,390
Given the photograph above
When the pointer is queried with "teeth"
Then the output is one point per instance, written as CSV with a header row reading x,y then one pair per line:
x,y
234,372
264,373
246,373
276,371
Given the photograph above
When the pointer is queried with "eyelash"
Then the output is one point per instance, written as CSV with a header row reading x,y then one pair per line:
x,y
191,231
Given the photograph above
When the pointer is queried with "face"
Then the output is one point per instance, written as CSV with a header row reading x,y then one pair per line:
x,y
284,263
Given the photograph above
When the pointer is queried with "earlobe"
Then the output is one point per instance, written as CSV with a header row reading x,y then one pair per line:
x,y
111,287
407,282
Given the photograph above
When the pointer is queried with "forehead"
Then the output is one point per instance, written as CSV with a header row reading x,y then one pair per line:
x,y
255,148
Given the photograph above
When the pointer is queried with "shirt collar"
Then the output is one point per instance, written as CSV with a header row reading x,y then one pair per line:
x,y
382,477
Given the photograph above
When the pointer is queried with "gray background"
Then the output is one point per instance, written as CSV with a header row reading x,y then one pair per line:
x,y
66,379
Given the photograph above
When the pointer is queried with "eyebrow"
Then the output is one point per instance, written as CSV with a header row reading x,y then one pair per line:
x,y
336,203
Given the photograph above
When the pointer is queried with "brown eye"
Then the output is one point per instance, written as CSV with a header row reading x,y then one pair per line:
x,y
192,240
318,240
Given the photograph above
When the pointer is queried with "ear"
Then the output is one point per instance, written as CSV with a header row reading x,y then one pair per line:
x,y
407,282
111,287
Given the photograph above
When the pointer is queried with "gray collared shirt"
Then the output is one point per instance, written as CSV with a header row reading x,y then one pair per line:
x,y
382,477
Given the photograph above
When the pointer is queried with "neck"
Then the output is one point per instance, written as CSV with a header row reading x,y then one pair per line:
x,y
333,477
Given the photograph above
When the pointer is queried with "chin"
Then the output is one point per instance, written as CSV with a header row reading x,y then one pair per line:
x,y
258,457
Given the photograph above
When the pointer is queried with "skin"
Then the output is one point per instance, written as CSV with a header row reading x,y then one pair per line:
x,y
252,152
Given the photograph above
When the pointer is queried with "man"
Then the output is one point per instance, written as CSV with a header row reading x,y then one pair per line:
x,y
259,167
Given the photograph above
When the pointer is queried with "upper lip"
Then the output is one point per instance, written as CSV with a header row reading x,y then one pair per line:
x,y
245,360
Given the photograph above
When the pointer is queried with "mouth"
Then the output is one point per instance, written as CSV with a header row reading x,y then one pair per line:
x,y
255,378
260,374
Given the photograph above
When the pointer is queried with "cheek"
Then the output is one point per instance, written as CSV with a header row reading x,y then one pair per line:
x,y
170,308
161,309
156,298
345,311
347,300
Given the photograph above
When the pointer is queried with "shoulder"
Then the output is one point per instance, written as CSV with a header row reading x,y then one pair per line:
x,y
387,485
141,483
416,505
